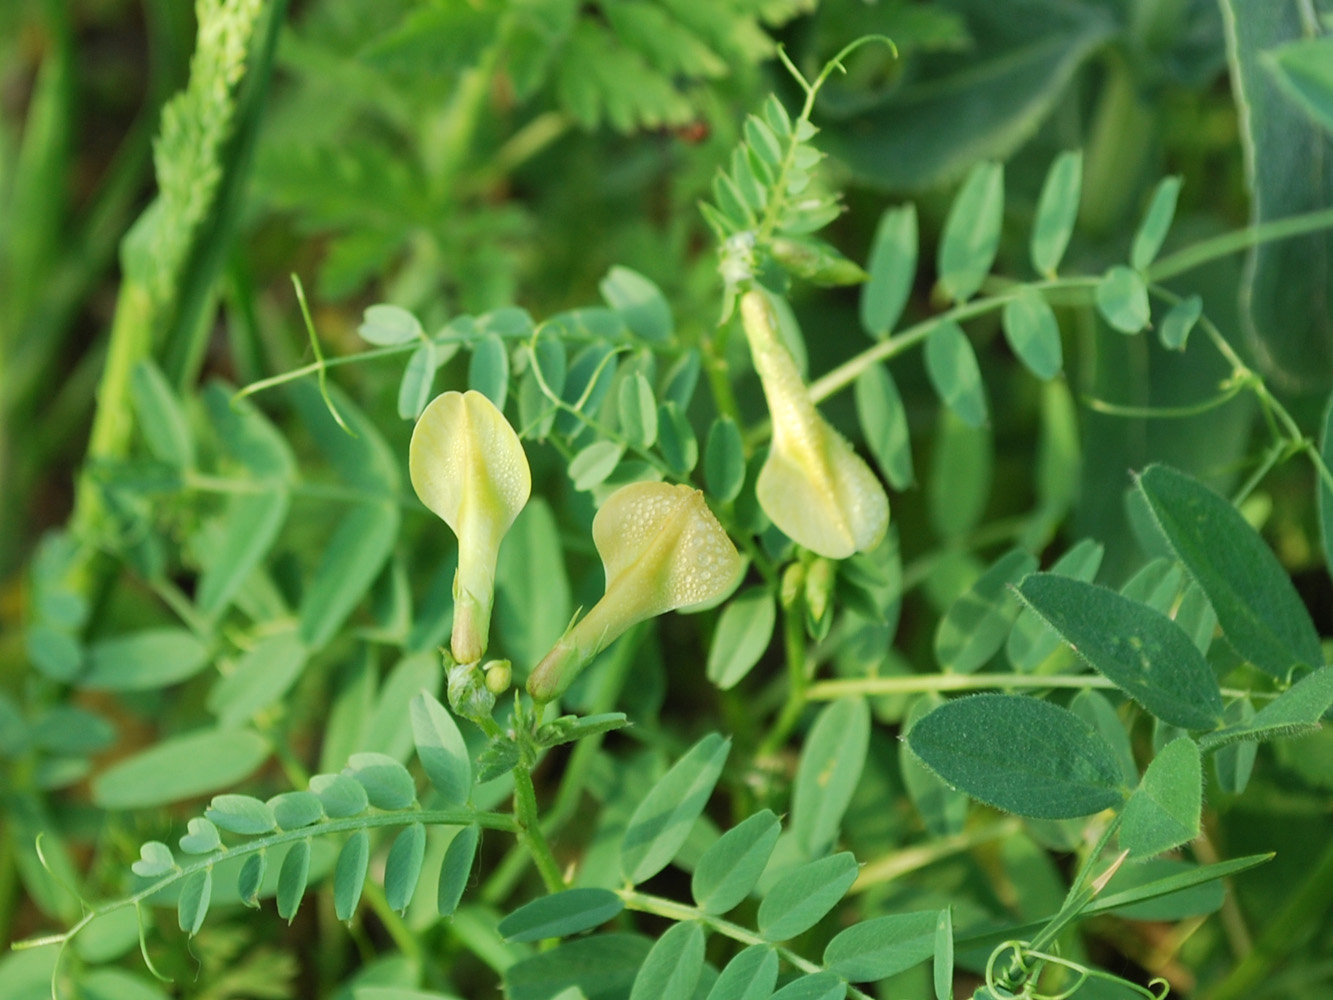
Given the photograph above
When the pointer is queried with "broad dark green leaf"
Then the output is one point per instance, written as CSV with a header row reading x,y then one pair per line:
x,y
943,809
1296,710
292,878
639,302
192,906
943,951
816,986
1156,222
457,869
1142,651
1057,211
1256,603
603,966
663,820
1031,642
972,232
977,623
263,674
441,749
293,810
353,557
340,795
388,784
561,914
744,630
1122,299
386,325
1033,333
251,878
160,416
801,898
242,814
180,767
1164,810
883,419
724,460
828,772
673,966
1179,321
402,868
729,870
488,370
349,874
892,267
1020,754
954,373
142,661
1096,710
751,975
882,946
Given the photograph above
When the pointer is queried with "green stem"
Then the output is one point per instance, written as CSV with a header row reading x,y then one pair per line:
x,y
793,639
529,826
642,902
920,683
910,859
1212,249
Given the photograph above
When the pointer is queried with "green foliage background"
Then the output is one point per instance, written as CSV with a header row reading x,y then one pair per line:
x,y
212,601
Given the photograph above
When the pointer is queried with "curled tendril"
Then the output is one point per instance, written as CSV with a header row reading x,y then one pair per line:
x,y
1026,963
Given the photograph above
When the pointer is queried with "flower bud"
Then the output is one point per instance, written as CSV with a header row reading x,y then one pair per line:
x,y
469,696
468,466
498,675
662,549
813,486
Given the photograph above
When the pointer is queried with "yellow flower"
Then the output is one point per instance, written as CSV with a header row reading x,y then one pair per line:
x,y
662,549
468,466
813,486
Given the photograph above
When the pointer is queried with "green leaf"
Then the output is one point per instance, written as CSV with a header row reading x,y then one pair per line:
x,y
943,951
1021,755
248,527
258,679
1179,321
1296,710
751,975
242,814
892,267
816,986
1303,71
1260,612
638,411
593,464
569,728
881,947
1180,882
883,418
292,879
801,898
155,859
663,820
978,621
639,302
402,868
456,870
954,373
561,914
251,878
349,874
828,772
180,767
192,906
1139,649
1031,643
384,731
201,838
1033,333
971,233
340,795
533,603
1057,211
441,749
418,384
1196,901
386,325
673,966
959,482
293,810
488,370
388,784
1122,299
675,438
352,559
53,651
1156,222
603,966
1234,762
142,661
1164,810
815,261
724,460
763,141
729,870
1097,711
943,808
744,630
160,416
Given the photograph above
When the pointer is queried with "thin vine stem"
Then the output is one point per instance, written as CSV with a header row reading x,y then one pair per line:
x,y
923,683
